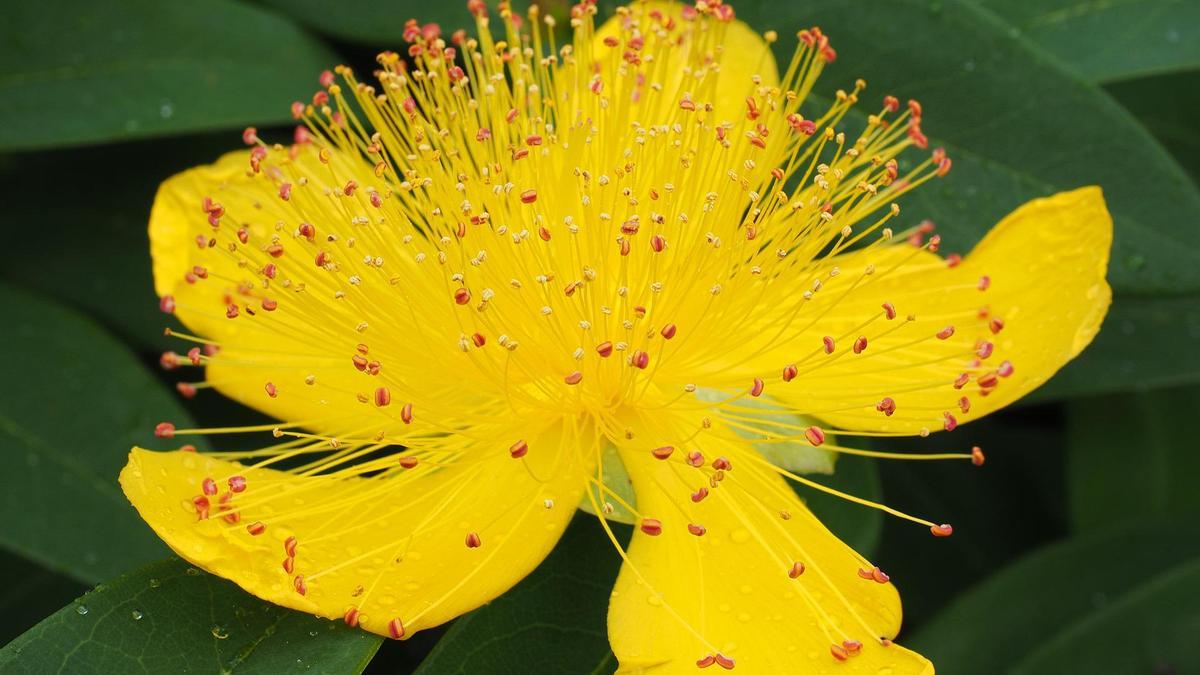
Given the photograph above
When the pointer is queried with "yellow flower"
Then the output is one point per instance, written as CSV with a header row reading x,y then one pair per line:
x,y
467,291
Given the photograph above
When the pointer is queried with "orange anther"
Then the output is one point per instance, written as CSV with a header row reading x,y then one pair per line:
x,y
651,526
943,530
663,452
518,449
473,540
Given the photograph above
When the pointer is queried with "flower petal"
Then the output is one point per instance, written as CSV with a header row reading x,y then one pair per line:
x,y
1023,303
744,55
730,590
421,545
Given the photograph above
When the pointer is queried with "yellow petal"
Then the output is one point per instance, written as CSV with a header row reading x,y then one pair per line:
x,y
1043,267
394,546
744,55
683,597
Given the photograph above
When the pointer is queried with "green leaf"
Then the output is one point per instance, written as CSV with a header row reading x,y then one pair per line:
x,y
1118,601
169,617
1166,105
1130,457
1144,343
1108,40
552,622
40,592
373,22
859,526
1017,125
75,401
86,72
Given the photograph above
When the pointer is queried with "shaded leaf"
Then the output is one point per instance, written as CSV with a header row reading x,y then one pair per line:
x,y
1130,457
1107,40
76,401
1087,605
169,617
40,593
1166,105
81,72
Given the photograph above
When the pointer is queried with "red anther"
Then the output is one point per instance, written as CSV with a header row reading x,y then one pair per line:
x,y
878,576
945,333
208,486
383,397
269,270
641,359
706,661
887,406
164,430
1005,369
200,503
884,642
756,389
533,139
410,105
167,304
949,422
722,660
462,296
889,310
624,245
275,251
985,349
658,243
630,227
408,462
200,272
953,260
687,104
828,342
961,380
307,231
570,288
285,191
668,331
256,528
301,135
271,390
237,484
350,187
406,413
374,367
935,242
359,361
473,540
758,142
977,457
544,233
188,448
250,136
695,458
984,282
796,570
891,103
815,436
943,530
377,202
789,372
829,54
574,378
865,573
651,526
987,380
604,349
839,652
699,495
289,564
860,344
396,626
919,139
943,167
289,546
362,349
297,109
697,530
185,390
326,78
964,404
639,311
519,154
351,617
852,646
231,311
269,304
194,356
518,449
478,339
722,464
320,99
169,361
529,196
914,107
996,325
807,127
663,452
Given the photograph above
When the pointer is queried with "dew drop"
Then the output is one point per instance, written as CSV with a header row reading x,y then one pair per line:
x,y
654,600
193,572
219,633
166,110
311,633
740,536
155,583
744,617
81,609
137,614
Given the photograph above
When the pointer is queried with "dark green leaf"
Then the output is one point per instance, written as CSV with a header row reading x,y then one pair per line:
x,y
39,593
360,20
1144,343
1106,40
75,402
858,526
1101,603
1129,456
1016,123
552,622
169,617
1166,105
83,72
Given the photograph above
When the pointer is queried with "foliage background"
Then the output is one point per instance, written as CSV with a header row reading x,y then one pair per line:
x,y
1076,548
